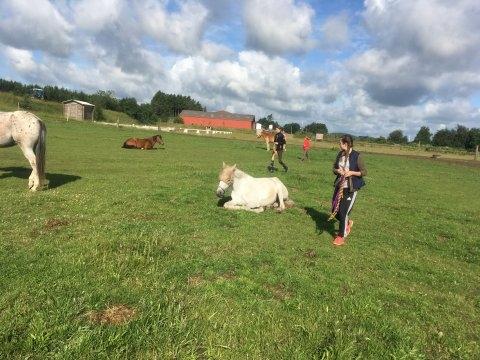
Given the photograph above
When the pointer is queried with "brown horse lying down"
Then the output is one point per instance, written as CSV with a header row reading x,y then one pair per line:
x,y
144,144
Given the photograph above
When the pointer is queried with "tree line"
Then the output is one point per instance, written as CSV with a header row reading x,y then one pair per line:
x,y
162,106
459,137
293,128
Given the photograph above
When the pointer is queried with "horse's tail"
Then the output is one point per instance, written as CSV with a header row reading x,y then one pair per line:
x,y
40,150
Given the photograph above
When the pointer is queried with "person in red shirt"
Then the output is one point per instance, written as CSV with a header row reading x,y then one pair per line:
x,y
306,148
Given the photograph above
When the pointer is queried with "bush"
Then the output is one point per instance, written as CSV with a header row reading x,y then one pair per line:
x,y
98,113
178,120
26,103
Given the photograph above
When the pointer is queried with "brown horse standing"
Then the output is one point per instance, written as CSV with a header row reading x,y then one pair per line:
x,y
144,144
268,136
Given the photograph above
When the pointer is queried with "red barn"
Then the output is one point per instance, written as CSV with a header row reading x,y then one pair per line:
x,y
218,119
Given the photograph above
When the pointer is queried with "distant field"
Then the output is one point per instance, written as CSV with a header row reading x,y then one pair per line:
x,y
127,255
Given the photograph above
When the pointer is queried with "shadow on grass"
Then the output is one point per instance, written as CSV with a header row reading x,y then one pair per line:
x,y
321,221
223,200
55,180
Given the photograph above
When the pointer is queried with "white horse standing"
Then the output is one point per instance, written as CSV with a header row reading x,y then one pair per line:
x,y
249,193
28,132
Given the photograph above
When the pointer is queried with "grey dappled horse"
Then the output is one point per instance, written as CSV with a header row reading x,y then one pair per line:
x,y
26,130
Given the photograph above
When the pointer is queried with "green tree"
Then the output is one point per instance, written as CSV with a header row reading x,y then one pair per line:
x,y
267,121
169,105
316,128
146,115
443,137
473,139
292,128
460,138
129,106
397,137
424,135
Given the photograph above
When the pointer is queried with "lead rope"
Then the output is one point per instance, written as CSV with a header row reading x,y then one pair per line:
x,y
338,194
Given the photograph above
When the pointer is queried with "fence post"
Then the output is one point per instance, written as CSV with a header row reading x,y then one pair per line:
x,y
118,122
476,153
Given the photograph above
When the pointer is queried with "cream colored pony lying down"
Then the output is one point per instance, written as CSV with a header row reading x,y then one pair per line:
x,y
252,194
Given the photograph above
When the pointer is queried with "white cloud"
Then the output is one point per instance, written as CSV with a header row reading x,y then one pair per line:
x,y
182,31
93,15
335,32
215,52
34,24
278,26
422,50
21,60
254,80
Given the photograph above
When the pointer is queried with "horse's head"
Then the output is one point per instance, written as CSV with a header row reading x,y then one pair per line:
x,y
158,138
226,178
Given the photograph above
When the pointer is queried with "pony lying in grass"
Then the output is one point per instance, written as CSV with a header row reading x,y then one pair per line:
x,y
29,132
252,194
144,144
268,136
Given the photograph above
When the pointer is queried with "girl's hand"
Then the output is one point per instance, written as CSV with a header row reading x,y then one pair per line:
x,y
352,173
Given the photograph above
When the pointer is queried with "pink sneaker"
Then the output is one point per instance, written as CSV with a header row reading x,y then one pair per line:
x,y
338,241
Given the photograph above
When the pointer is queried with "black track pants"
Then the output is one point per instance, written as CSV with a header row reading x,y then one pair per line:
x,y
346,205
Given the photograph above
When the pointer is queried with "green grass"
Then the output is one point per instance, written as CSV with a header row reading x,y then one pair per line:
x,y
142,229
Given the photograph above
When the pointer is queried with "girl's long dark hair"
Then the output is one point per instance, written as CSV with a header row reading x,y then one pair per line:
x,y
347,139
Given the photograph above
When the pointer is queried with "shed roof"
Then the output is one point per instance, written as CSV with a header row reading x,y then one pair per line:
x,y
78,102
217,114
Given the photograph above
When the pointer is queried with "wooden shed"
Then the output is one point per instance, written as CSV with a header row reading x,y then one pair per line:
x,y
79,110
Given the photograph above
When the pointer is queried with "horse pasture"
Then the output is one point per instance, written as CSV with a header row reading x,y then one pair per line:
x,y
127,255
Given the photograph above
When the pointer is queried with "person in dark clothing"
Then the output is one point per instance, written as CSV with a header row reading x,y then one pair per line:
x,y
279,144
350,170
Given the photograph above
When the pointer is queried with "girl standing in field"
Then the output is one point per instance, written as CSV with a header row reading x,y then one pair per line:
x,y
306,148
350,170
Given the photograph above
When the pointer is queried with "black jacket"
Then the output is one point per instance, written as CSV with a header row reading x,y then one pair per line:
x,y
279,141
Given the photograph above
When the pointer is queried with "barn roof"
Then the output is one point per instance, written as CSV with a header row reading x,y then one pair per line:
x,y
217,114
78,102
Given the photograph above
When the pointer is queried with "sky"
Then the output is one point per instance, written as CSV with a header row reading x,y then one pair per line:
x,y
363,67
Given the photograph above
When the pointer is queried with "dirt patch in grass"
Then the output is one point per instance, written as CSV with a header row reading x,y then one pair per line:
x,y
52,224
444,237
195,280
229,276
311,254
279,291
114,315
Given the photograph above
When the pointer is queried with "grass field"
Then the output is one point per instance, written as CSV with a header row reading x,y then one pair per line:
x,y
127,255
